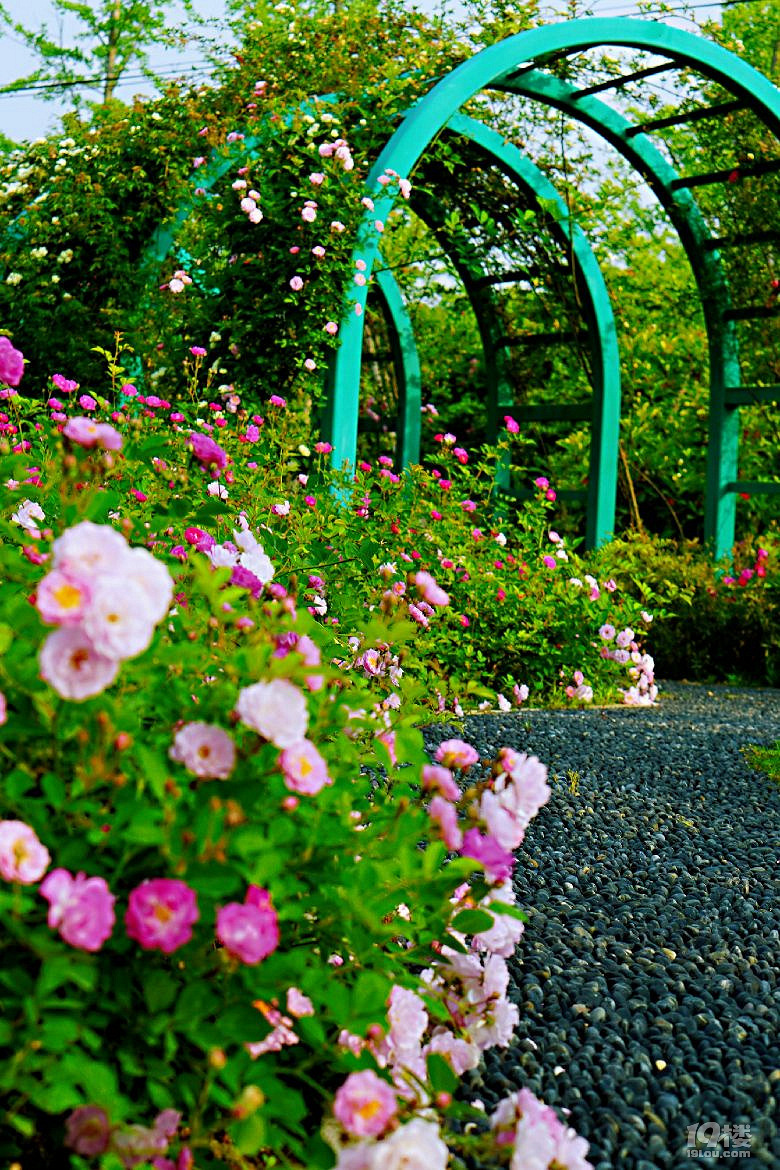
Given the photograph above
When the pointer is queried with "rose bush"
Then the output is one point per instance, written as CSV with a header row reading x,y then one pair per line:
x,y
244,915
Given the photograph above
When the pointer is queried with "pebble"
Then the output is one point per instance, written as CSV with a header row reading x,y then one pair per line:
x,y
651,968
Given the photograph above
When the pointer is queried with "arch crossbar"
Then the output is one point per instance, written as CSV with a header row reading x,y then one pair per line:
x,y
603,411
513,65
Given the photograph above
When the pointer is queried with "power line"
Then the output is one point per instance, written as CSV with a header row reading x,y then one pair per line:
x,y
667,10
128,77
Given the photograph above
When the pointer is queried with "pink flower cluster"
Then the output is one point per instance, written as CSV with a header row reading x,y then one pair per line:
x,y
338,150
161,912
578,689
89,1132
499,818
106,599
643,692
85,432
536,1136
252,568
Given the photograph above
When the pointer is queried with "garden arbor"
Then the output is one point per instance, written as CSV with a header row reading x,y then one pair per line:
x,y
523,65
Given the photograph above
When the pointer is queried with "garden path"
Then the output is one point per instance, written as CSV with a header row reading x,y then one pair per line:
x,y
648,978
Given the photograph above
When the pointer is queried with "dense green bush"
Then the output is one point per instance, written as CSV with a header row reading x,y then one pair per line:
x,y
718,622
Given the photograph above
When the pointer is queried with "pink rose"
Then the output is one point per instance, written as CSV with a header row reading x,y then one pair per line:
x,y
121,616
11,363
365,1104
22,856
62,597
429,590
437,778
414,1146
85,431
70,664
207,452
88,1131
304,769
299,1004
497,861
160,914
250,931
445,815
81,908
205,750
276,710
455,753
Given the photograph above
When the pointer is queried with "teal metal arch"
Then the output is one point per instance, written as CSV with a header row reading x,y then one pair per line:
x,y
507,65
715,299
603,411
407,363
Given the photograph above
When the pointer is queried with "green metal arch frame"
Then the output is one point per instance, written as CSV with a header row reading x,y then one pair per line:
x,y
604,412
407,362
504,65
694,235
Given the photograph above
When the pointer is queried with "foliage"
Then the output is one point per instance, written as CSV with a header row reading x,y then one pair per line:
x,y
302,77
719,623
266,915
765,759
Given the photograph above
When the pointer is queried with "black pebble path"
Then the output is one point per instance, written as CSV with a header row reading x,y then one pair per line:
x,y
648,978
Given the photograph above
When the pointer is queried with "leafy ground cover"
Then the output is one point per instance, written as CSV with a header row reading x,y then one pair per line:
x,y
766,759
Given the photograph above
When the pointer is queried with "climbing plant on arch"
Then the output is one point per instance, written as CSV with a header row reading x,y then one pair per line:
x,y
521,65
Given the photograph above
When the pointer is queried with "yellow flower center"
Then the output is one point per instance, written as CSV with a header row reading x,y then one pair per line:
x,y
21,852
67,596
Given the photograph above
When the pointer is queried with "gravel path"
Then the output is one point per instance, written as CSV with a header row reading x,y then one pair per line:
x,y
647,978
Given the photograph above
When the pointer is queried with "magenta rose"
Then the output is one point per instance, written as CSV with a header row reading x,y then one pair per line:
x,y
11,363
250,931
88,1131
207,452
161,913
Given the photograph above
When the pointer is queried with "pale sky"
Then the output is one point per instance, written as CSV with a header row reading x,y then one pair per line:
x,y
24,116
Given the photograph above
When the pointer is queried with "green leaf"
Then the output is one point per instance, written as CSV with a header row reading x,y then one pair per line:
x,y
160,990
55,1098
53,789
142,833
249,1135
23,1125
58,1032
16,783
193,1003
472,921
440,1074
242,1023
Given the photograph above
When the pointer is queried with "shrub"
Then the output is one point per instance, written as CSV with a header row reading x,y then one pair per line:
x,y
718,622
245,915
